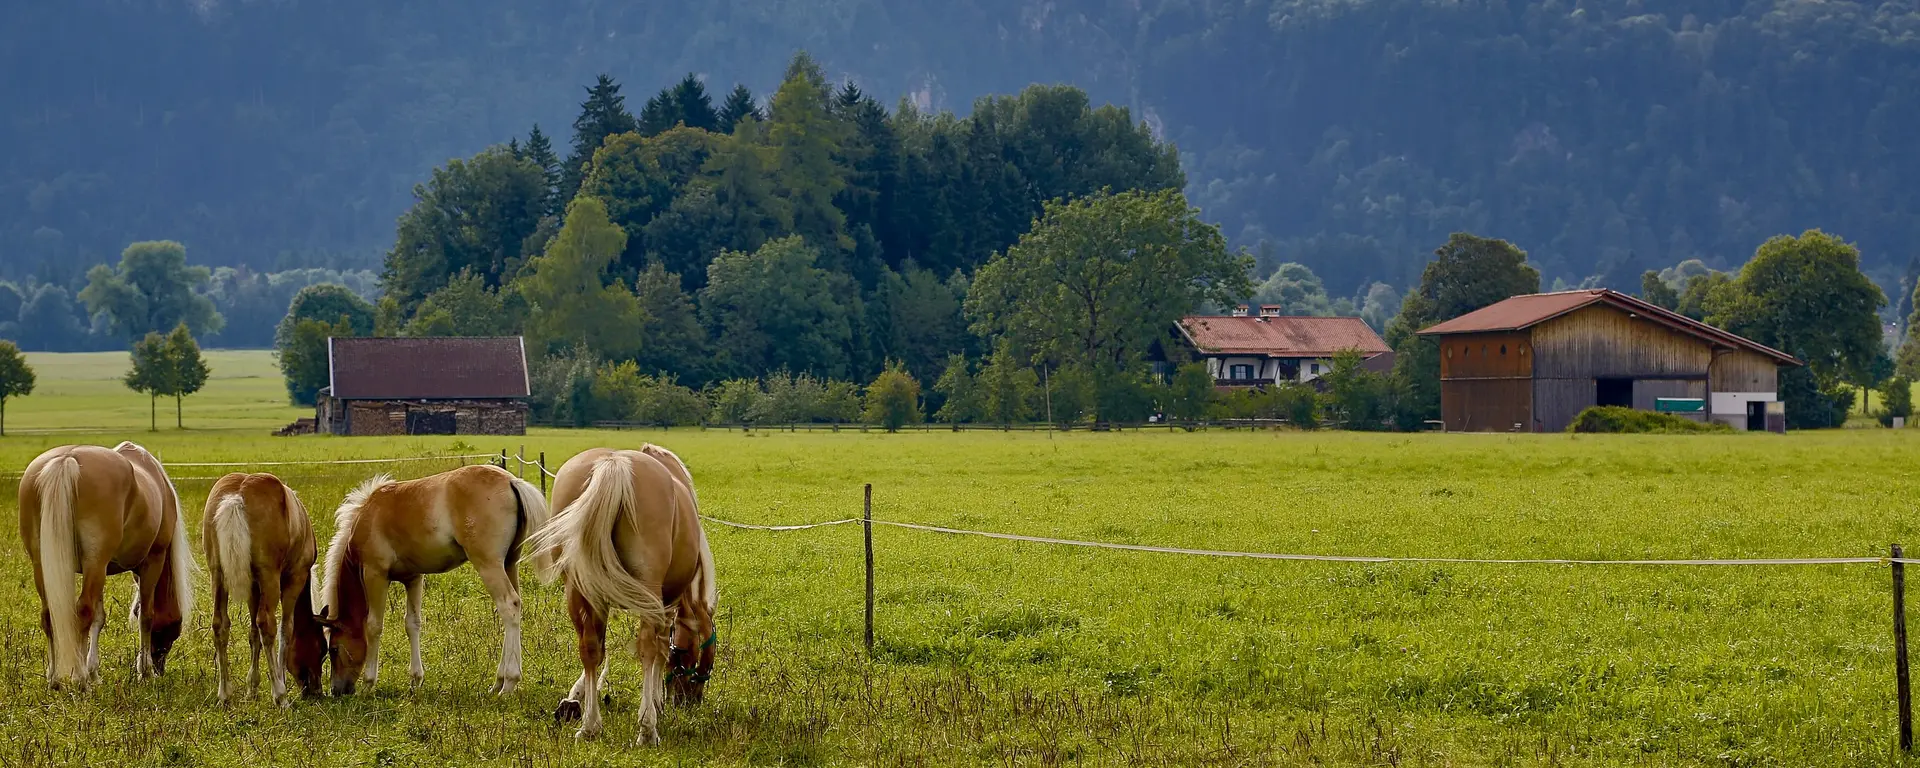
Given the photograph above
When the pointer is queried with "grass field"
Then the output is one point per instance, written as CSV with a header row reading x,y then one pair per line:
x,y
1006,653
83,391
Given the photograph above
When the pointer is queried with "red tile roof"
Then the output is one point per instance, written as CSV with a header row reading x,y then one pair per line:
x,y
1532,309
1283,336
480,368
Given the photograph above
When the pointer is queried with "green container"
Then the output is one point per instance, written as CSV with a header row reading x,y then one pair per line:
x,y
1679,405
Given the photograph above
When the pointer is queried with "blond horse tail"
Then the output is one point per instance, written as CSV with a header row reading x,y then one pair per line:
x,y
533,507
233,544
59,560
580,541
180,562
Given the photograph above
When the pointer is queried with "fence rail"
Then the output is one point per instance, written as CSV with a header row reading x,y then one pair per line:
x,y
1116,426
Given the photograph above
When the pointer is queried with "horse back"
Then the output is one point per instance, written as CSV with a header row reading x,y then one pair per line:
x,y
280,534
115,518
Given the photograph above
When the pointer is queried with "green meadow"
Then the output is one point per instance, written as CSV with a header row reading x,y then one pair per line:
x,y
995,652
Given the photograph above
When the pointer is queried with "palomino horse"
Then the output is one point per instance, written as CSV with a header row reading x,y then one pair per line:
x,y
91,511
628,538
401,532
260,551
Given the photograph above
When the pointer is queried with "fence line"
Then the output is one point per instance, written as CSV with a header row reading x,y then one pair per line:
x,y
456,457
1322,558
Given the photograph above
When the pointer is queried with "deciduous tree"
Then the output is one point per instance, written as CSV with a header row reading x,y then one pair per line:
x,y
16,378
188,370
1468,273
893,399
965,402
153,289
775,308
572,297
473,215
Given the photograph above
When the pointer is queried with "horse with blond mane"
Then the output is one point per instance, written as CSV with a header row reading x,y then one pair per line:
x,y
95,512
260,551
403,531
628,538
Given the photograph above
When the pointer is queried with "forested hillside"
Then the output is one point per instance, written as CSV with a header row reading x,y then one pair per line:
x,y
1605,137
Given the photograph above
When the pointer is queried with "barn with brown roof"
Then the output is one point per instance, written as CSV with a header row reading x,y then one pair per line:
x,y
424,386
1532,363
1258,347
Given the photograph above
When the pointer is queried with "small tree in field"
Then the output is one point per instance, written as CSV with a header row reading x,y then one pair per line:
x,y
16,378
188,369
1898,399
1190,392
151,374
893,399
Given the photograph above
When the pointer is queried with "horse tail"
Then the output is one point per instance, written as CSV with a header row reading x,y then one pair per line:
x,y
533,517
233,545
58,484
180,563
580,541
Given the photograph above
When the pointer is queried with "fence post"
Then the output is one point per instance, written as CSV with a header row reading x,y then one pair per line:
x,y
503,458
543,473
520,461
866,523
1903,686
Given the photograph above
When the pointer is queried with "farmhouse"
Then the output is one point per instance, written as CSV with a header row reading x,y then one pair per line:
x,y
1259,347
1532,363
424,386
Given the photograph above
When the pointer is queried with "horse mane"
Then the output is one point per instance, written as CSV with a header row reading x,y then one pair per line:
x,y
344,520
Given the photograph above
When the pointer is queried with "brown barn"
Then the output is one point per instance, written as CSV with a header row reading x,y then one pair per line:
x,y
424,386
1532,363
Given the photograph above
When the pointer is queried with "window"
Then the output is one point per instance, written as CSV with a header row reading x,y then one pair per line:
x,y
1315,368
1240,372
1503,350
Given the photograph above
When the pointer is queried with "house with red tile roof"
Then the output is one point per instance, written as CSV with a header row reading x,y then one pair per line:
x,y
1254,347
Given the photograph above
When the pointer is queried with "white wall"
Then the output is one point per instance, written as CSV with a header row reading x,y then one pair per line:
x,y
1307,373
1731,407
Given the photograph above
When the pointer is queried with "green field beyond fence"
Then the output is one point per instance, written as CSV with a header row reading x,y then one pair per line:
x,y
999,652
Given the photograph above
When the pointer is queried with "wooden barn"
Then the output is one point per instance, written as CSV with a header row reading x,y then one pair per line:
x,y
424,386
1532,363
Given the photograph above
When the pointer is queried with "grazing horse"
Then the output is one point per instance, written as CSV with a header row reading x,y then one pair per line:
x,y
260,551
402,531
91,511
628,538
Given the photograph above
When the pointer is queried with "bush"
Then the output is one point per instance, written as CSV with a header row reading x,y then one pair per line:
x,y
1613,418
893,399
1897,396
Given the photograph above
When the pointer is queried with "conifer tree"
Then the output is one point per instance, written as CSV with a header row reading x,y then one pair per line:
x,y
739,107
603,114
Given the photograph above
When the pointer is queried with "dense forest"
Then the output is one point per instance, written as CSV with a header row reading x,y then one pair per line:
x,y
1606,137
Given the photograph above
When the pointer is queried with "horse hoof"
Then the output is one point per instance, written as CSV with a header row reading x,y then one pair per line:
x,y
586,735
504,686
568,710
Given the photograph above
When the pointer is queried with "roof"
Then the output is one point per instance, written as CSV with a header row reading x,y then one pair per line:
x,y
1533,309
456,368
1284,336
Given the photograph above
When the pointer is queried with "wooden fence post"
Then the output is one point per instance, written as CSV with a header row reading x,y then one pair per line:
x,y
1902,683
866,523
543,473
503,458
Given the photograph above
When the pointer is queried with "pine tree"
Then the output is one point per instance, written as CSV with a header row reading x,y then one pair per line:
x,y
660,114
807,141
696,107
539,150
603,114
739,107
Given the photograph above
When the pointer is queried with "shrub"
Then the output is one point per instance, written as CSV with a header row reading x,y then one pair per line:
x,y
1897,397
893,399
1613,418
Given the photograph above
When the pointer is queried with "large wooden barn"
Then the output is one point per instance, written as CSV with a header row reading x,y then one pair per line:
x,y
424,386
1532,363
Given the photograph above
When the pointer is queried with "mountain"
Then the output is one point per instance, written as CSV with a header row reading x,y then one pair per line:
x,y
1605,137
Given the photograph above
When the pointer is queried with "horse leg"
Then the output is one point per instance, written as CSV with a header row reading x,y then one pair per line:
x,y
146,588
92,613
267,637
376,588
651,646
416,594
506,600
591,628
221,627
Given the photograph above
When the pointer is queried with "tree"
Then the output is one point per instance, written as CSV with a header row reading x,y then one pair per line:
x,y
1190,392
739,107
1296,290
152,374
153,289
1807,296
48,321
1657,292
965,402
806,140
1357,398
1007,386
571,296
16,378
1100,279
893,399
638,178
1468,273
539,151
673,339
776,309
1381,305
465,307
473,215
304,359
603,114
326,302
1896,396
684,103
187,370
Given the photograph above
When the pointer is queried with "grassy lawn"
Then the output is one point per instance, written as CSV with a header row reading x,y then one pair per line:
x,y
1000,653
83,391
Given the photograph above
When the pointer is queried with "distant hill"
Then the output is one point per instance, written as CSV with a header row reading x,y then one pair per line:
x,y
1604,137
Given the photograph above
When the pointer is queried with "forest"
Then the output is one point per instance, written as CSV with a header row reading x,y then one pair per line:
x,y
1607,136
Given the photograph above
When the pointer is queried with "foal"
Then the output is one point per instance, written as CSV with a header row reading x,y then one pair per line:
x,y
95,512
260,551
628,538
401,532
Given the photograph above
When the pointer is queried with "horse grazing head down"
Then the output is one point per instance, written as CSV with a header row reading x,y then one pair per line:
x,y
343,598
307,651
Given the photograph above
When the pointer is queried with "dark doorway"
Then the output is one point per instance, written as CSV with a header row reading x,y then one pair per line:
x,y
1613,392
429,422
1756,416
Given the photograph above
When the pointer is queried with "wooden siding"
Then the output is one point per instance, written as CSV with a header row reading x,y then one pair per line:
x,y
1601,341
1745,371
1486,405
468,417
1557,401
1486,356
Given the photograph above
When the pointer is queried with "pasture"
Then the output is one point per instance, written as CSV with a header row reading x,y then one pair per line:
x,y
999,653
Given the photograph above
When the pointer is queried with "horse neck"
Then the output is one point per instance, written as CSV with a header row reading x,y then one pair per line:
x,y
349,602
